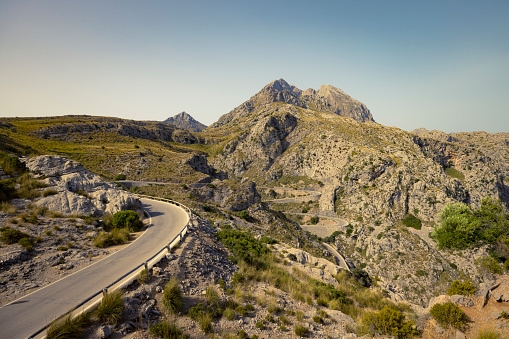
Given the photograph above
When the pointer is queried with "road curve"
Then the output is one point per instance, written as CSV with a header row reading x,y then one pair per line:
x,y
26,315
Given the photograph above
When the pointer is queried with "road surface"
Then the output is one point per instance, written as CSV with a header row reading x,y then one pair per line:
x,y
24,316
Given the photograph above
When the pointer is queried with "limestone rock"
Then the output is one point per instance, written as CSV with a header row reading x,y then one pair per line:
x,y
80,192
462,300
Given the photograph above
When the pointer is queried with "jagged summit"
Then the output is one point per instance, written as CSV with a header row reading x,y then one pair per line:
x,y
327,99
185,121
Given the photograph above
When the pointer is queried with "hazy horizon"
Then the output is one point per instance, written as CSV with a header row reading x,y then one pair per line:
x,y
437,65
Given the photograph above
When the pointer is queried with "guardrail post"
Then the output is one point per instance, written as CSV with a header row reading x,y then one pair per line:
x,y
105,291
146,266
169,248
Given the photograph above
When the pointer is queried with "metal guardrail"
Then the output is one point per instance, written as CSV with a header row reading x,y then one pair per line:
x,y
104,290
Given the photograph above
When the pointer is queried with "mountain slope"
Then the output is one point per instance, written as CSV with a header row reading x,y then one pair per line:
x,y
186,121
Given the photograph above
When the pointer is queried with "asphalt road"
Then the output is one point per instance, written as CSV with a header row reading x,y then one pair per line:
x,y
26,315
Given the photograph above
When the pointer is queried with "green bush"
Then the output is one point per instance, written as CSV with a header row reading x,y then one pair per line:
x,y
7,190
361,276
244,246
389,321
448,314
229,314
167,330
109,311
120,177
462,288
314,220
205,321
461,227
172,296
301,330
12,236
127,219
489,264
26,243
244,214
411,220
115,237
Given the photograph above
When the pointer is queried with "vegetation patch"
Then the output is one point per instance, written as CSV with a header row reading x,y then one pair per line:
x,y
411,220
388,321
449,314
462,288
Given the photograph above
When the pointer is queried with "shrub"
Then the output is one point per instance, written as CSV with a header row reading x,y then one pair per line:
x,y
318,319
301,330
457,227
452,172
167,330
109,311
314,220
127,219
244,214
361,276
172,296
448,314
260,324
229,314
7,190
12,236
26,243
120,177
241,310
489,264
411,220
115,237
463,288
388,321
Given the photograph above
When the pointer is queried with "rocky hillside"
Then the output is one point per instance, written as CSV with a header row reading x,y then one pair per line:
x,y
185,121
326,99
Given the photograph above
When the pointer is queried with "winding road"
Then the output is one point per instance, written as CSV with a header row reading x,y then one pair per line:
x,y
26,315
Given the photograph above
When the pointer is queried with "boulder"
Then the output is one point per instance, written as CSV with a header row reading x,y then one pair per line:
x,y
68,203
462,300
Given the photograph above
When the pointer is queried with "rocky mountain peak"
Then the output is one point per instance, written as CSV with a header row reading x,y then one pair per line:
x,y
327,99
184,120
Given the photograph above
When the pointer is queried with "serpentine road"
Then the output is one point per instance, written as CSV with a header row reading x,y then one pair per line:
x,y
25,316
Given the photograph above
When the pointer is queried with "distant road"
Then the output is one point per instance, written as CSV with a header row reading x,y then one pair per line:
x,y
27,315
131,183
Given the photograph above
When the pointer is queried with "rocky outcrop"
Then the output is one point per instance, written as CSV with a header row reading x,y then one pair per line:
x,y
185,121
78,191
231,195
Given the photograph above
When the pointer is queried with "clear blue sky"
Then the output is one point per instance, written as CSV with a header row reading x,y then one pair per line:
x,y
434,64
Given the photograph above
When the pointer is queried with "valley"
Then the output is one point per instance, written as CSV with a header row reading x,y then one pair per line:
x,y
276,187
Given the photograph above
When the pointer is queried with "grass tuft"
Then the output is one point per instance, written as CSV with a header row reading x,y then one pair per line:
x,y
109,311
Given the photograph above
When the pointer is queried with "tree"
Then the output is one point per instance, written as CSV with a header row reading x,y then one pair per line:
x,y
458,227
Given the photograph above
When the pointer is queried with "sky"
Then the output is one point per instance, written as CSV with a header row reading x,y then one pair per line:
x,y
434,64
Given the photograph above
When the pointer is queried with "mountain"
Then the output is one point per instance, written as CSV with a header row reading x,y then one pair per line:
x,y
326,99
185,121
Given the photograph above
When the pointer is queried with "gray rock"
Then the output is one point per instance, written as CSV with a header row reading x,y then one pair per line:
x,y
460,335
462,300
103,332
